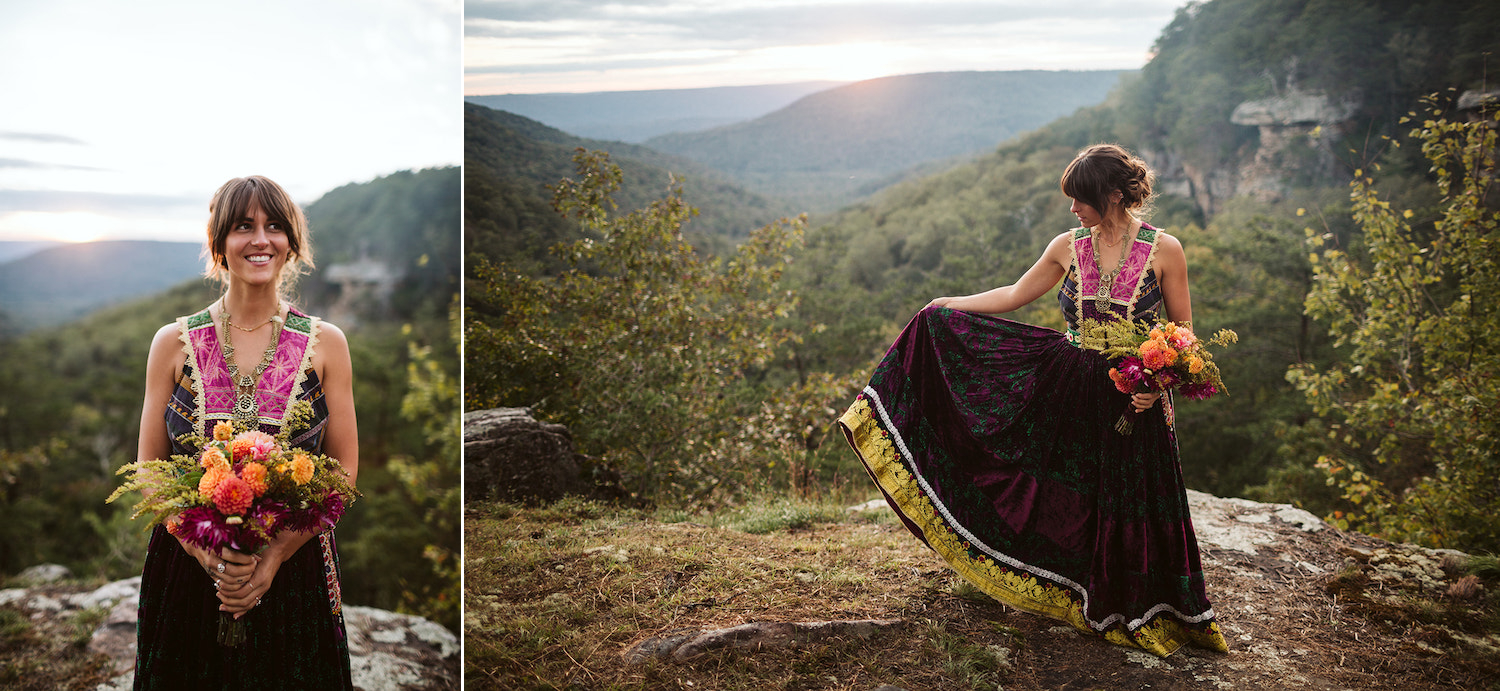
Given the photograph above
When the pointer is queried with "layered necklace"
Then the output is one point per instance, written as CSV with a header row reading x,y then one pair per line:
x,y
1106,289
246,408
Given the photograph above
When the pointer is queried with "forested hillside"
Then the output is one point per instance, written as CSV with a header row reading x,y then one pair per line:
x,y
70,400
509,162
837,146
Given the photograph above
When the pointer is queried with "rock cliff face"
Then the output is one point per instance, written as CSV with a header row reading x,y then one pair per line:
x,y
1295,131
387,651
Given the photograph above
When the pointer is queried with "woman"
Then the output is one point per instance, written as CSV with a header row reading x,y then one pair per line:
x,y
247,356
994,440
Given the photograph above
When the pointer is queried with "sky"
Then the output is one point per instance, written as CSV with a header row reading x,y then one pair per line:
x,y
547,46
118,120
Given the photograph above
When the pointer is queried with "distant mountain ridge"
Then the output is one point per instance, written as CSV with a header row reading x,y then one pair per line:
x,y
835,147
635,116
11,250
62,283
509,161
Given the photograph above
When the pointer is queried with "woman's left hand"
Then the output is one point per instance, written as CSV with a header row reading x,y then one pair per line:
x,y
1143,401
240,599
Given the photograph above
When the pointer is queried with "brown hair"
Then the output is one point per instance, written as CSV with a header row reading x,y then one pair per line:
x,y
232,203
1103,169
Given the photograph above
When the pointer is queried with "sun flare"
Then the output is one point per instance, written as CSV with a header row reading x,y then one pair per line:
x,y
67,226
845,62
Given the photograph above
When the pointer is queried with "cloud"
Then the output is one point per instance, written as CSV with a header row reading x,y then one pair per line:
x,y
55,201
796,23
569,45
40,137
37,165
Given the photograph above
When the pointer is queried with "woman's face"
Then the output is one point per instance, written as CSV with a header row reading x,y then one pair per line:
x,y
256,248
1088,216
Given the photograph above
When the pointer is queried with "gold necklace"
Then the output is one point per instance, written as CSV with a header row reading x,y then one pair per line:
x,y
246,408
252,329
1106,289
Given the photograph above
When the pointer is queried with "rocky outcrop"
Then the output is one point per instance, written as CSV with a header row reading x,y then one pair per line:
x,y
1296,131
685,644
387,651
511,457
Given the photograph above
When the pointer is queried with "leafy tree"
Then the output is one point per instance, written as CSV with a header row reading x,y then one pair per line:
x,y
645,354
1416,442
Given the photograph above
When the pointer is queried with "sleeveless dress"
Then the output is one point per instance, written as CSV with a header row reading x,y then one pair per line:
x,y
994,442
295,638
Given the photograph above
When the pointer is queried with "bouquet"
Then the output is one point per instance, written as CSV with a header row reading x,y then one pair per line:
x,y
239,490
1161,356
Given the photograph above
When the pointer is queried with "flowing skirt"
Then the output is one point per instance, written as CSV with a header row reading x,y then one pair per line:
x,y
294,638
994,442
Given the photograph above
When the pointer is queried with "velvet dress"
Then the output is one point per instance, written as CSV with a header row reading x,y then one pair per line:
x,y
295,637
994,442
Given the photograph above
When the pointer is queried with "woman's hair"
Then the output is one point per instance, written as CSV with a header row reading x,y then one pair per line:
x,y
232,203
1102,169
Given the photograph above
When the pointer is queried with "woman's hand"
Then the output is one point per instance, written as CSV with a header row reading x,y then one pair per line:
x,y
1143,401
228,569
239,598
940,302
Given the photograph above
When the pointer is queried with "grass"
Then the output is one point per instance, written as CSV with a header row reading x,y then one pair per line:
x,y
555,595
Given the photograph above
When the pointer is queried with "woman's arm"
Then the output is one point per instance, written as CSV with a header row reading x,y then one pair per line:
x,y
1171,273
1170,265
341,440
1039,279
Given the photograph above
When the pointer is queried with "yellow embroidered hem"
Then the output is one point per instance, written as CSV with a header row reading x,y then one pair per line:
x,y
1161,636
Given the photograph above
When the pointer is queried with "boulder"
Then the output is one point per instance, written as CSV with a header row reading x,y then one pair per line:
x,y
510,456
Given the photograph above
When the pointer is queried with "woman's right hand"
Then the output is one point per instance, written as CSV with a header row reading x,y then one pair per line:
x,y
227,568
940,302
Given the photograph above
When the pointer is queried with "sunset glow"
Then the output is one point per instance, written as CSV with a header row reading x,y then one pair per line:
x,y
74,226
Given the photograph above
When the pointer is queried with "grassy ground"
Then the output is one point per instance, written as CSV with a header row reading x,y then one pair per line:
x,y
555,595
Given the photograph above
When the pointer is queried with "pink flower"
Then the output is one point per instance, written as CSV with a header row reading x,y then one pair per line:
x,y
254,444
1199,392
1129,375
1183,339
201,527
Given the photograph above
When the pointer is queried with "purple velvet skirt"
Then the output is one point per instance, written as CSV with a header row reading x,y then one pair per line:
x,y
994,441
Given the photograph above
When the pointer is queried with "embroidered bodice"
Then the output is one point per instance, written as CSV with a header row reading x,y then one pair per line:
x,y
205,394
1134,292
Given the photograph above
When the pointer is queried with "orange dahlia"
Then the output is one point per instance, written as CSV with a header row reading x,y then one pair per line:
x,y
212,479
223,431
254,475
302,468
212,457
233,496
